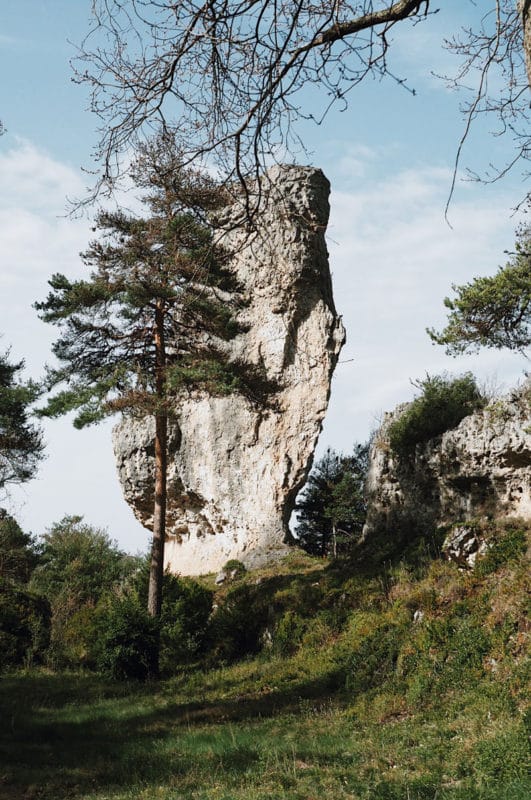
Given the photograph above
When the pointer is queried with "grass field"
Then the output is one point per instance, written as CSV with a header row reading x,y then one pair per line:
x,y
375,706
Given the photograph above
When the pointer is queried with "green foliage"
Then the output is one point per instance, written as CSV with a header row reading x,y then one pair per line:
x,y
505,756
184,619
18,556
204,373
289,632
492,311
331,509
442,404
238,623
24,625
375,702
447,650
184,625
153,282
507,544
235,567
21,446
368,654
79,562
24,614
78,566
128,641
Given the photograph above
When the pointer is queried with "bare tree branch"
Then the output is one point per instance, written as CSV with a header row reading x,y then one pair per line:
x,y
224,77
497,58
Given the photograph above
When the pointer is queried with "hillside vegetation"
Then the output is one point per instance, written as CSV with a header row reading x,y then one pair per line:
x,y
394,677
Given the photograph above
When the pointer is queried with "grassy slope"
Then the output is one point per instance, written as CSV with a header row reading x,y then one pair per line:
x,y
354,699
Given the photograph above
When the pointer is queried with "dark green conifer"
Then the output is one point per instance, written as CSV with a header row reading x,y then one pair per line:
x,y
150,319
21,446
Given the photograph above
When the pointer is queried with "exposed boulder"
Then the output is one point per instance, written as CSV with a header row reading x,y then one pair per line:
x,y
235,467
481,468
463,545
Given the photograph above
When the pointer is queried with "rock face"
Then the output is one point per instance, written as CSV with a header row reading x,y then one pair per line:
x,y
481,468
235,467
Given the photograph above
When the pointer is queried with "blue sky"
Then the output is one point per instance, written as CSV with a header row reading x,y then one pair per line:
x,y
393,256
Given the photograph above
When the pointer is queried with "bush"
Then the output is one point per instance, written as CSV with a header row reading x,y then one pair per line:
x,y
288,633
509,545
372,659
235,569
79,566
441,406
24,626
128,641
184,619
79,563
238,624
186,609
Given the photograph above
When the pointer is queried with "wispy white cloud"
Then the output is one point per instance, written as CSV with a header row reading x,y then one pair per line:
x,y
9,41
37,182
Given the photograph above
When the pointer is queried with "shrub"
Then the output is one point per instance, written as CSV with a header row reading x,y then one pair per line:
x,y
24,626
186,609
78,562
184,619
505,547
373,659
234,568
238,624
441,406
288,633
128,641
79,566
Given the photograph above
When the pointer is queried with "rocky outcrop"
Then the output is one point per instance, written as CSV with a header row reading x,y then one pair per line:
x,y
236,466
481,468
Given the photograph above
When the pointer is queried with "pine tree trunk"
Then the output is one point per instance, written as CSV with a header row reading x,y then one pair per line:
x,y
156,572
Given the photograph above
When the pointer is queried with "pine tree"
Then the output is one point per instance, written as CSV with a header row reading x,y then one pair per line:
x,y
151,318
331,510
21,446
492,311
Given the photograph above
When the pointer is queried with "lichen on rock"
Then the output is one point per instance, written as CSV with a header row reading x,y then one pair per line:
x,y
235,466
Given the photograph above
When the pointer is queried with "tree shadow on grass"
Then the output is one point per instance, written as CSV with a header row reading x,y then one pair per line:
x,y
66,737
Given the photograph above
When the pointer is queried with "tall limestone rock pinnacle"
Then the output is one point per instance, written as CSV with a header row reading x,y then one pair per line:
x,y
235,467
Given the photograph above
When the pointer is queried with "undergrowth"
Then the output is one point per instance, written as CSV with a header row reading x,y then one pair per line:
x,y
402,681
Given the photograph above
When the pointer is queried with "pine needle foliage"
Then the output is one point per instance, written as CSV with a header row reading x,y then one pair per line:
x,y
492,311
158,298
21,446
159,271
331,510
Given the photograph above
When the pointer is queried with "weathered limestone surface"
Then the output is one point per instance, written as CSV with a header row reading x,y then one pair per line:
x,y
235,467
481,468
